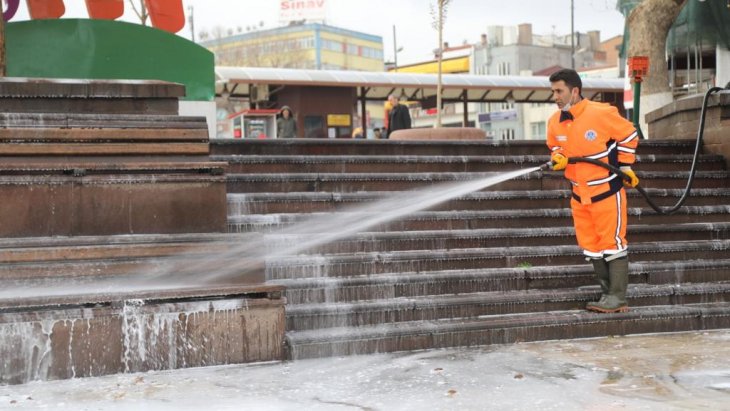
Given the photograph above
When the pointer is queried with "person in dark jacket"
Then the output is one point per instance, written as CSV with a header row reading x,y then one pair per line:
x,y
399,117
286,125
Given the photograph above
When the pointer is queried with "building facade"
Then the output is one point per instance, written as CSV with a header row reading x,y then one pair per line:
x,y
297,46
506,51
511,51
305,46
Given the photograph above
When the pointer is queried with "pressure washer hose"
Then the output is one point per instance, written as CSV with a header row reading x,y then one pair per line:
x,y
688,188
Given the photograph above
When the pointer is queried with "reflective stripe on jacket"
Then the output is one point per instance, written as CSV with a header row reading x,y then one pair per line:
x,y
597,131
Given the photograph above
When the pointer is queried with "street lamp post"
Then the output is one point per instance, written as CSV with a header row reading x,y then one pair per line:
x,y
395,50
191,20
572,35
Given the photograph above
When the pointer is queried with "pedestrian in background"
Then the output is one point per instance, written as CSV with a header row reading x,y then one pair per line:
x,y
358,133
378,133
399,118
286,125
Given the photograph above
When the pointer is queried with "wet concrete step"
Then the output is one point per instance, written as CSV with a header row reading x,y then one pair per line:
x,y
312,202
183,268
346,265
21,166
66,249
257,295
320,316
504,329
310,147
431,283
467,220
487,238
356,182
147,260
437,164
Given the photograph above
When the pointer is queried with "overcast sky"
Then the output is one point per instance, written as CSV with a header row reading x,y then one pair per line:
x,y
467,19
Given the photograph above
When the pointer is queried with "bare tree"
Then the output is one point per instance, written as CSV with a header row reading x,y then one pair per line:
x,y
140,10
438,15
649,24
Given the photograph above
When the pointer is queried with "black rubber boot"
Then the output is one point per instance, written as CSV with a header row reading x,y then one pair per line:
x,y
600,267
618,274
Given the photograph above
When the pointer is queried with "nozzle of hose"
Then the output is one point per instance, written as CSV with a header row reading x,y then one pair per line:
x,y
547,166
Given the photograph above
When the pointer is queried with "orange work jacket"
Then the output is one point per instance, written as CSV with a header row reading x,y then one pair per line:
x,y
598,131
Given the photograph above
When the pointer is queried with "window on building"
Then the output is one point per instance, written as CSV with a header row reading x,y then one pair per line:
x,y
332,45
507,134
504,69
539,130
353,49
372,53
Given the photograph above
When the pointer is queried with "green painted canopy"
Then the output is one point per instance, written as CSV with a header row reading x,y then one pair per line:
x,y
107,49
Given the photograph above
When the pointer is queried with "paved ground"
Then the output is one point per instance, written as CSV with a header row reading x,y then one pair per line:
x,y
661,372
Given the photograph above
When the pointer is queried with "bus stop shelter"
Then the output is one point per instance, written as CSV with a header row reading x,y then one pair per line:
x,y
351,86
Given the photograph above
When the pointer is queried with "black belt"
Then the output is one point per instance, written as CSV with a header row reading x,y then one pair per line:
x,y
615,186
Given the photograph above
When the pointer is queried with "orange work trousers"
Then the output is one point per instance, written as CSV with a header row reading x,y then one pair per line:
x,y
601,227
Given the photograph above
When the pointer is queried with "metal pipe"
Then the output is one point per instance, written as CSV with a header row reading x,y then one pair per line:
x,y
697,74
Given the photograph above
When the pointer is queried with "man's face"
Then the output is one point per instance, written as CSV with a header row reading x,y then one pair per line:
x,y
286,113
393,101
562,94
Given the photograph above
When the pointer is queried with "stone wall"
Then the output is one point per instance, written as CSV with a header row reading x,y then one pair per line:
x,y
680,121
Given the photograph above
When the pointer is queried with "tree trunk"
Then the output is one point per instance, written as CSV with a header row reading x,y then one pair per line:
x,y
440,60
649,25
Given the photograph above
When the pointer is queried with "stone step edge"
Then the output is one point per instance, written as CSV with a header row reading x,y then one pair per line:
x,y
492,233
493,252
453,143
504,321
500,298
453,176
125,240
429,159
493,274
276,218
318,196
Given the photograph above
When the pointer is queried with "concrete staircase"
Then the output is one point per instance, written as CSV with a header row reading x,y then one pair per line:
x,y
495,266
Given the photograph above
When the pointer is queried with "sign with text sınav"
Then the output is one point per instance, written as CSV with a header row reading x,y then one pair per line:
x,y
296,10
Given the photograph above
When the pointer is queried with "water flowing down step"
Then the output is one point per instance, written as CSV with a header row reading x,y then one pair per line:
x,y
371,264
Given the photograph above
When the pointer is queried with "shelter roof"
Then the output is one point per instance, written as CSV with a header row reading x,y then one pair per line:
x,y
410,86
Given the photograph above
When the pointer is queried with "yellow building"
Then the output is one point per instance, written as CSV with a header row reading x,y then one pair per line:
x,y
310,46
456,60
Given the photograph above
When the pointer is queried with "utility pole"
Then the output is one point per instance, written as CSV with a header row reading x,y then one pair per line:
x,y
572,35
395,50
191,20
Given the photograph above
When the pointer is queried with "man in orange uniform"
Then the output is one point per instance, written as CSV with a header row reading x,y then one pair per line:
x,y
584,128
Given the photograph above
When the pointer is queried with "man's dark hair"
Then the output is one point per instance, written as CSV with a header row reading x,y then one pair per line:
x,y
570,77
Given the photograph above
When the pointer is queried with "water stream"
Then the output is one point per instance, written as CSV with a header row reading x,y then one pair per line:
x,y
188,272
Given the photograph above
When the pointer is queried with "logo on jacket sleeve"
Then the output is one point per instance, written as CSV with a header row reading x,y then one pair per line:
x,y
591,135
